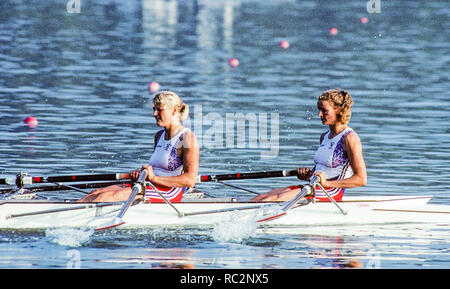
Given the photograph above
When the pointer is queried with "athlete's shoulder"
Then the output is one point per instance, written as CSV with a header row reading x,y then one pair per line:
x,y
351,138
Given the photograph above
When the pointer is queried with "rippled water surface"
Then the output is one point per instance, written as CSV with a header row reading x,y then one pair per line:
x,y
84,76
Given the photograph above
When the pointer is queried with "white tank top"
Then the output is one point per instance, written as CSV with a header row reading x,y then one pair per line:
x,y
165,160
331,158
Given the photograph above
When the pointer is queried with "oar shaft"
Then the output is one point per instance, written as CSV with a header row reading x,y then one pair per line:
x,y
137,188
242,176
21,180
61,187
81,178
307,189
289,204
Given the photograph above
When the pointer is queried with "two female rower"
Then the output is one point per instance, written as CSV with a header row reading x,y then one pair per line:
x,y
174,163
338,161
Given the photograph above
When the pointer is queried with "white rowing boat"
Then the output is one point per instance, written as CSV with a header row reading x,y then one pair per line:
x,y
197,211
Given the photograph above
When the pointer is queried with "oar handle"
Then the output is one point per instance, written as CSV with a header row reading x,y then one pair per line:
x,y
137,188
24,179
242,176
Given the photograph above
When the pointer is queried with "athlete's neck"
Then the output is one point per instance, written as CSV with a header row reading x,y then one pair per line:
x,y
336,129
172,131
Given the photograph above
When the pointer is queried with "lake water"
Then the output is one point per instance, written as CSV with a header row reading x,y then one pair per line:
x,y
84,76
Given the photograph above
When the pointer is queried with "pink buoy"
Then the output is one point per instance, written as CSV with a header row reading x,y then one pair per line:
x,y
153,87
363,20
333,31
31,121
284,44
234,62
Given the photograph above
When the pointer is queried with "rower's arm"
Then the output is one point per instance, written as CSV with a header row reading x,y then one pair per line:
x,y
353,148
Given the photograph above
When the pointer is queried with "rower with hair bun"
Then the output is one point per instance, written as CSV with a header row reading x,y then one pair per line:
x,y
173,166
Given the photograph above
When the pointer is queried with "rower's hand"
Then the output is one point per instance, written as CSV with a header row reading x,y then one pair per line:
x,y
323,179
150,173
135,175
304,173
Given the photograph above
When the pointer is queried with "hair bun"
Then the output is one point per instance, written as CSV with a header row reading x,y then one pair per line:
x,y
184,111
172,99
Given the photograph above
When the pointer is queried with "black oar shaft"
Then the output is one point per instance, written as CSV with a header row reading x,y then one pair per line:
x,y
242,176
61,187
23,179
80,178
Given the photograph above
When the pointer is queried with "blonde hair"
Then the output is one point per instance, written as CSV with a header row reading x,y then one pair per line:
x,y
173,100
339,99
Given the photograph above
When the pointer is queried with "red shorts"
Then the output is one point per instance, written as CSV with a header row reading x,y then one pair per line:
x,y
174,195
335,193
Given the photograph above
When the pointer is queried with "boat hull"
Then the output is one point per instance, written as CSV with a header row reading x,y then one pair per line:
x,y
360,210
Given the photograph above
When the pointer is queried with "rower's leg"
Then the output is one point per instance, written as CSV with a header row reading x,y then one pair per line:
x,y
115,193
277,195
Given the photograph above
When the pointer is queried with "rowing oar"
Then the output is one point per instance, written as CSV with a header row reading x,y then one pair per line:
x,y
139,186
24,179
306,190
61,187
243,176
281,210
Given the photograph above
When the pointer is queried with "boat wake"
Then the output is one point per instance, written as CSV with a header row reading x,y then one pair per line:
x,y
70,237
241,225
237,227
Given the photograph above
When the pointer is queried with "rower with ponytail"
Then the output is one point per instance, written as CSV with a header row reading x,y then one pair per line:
x,y
338,160
342,101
